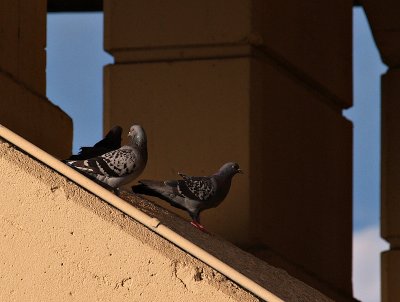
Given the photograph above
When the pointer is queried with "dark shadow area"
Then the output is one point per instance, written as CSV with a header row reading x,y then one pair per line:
x,y
63,6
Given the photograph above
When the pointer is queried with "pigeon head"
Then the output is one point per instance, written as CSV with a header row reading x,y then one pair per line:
x,y
137,134
230,169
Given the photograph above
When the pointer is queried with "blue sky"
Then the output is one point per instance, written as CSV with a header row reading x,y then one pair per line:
x,y
75,60
365,115
74,82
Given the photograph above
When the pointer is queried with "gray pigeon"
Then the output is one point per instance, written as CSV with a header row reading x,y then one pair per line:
x,y
193,194
110,142
118,167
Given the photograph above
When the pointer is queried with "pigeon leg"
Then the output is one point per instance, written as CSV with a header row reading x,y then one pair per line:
x,y
117,191
199,226
196,223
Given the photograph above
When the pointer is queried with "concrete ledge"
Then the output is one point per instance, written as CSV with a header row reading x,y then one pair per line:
x,y
173,53
86,248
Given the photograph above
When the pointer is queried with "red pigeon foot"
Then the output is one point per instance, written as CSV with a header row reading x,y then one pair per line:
x,y
199,226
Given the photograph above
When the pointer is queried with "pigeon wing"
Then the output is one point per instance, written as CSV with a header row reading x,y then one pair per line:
x,y
116,163
196,188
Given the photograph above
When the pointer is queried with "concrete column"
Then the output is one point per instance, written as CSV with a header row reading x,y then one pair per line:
x,y
390,203
24,106
258,82
385,25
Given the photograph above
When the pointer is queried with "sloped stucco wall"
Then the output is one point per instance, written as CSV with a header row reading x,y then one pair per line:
x,y
60,243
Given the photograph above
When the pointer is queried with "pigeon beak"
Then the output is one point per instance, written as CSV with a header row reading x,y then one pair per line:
x,y
240,171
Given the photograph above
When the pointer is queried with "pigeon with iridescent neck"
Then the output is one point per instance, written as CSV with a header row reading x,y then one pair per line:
x,y
118,167
192,193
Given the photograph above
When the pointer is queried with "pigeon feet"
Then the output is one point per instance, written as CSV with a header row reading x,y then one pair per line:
x,y
199,226
117,191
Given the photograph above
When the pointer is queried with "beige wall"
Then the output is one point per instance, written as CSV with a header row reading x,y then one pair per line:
x,y
59,243
24,106
259,82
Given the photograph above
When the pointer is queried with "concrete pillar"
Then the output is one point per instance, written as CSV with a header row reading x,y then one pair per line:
x,y
390,205
23,42
258,82
385,24
24,106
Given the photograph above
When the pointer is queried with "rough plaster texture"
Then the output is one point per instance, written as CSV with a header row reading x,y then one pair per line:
x,y
274,279
60,243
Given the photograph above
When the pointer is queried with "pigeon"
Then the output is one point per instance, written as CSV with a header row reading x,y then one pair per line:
x,y
110,142
192,193
120,166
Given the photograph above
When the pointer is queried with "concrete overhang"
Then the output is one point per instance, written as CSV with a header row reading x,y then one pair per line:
x,y
204,256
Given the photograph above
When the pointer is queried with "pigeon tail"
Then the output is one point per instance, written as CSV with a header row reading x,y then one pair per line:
x,y
144,189
157,189
113,137
112,141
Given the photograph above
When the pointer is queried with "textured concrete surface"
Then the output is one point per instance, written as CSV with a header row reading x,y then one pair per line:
x,y
60,243
274,279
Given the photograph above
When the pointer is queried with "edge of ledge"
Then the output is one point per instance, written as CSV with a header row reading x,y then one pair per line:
x,y
150,222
